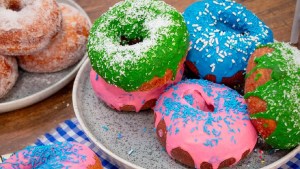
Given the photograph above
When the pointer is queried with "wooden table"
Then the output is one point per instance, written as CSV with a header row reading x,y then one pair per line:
x,y
21,127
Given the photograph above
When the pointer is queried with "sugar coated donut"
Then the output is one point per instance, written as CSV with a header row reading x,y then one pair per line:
x,y
136,43
204,125
69,155
27,26
273,94
67,47
8,74
223,35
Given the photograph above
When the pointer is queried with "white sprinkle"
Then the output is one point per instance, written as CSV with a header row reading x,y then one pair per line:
x,y
220,60
227,7
221,55
195,25
213,66
244,59
232,60
197,17
130,152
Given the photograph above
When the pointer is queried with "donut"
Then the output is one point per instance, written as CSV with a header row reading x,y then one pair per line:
x,y
203,124
137,46
223,35
69,155
143,99
27,26
8,74
65,49
272,92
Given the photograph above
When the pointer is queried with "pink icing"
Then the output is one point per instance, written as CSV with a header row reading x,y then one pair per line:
x,y
116,97
72,156
193,141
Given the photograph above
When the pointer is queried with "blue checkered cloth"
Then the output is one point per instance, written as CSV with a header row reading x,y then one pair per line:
x,y
71,130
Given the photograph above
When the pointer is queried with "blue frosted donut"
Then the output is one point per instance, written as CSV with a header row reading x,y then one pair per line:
x,y
223,35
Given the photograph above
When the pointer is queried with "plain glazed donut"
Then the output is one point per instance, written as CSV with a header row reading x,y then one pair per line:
x,y
65,49
27,26
69,155
204,125
138,46
223,35
8,74
272,91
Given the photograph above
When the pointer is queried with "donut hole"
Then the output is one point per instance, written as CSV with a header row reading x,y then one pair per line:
x,y
133,33
128,41
196,100
229,27
14,5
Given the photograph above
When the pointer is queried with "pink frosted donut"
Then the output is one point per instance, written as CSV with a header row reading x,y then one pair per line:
x,y
27,26
204,125
69,155
121,100
66,48
8,74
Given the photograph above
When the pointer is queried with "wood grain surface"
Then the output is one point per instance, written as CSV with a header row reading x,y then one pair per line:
x,y
21,127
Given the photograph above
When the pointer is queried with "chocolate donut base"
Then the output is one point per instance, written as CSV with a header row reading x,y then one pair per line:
x,y
184,157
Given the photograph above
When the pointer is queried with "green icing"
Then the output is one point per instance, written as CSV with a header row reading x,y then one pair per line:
x,y
282,94
164,35
258,75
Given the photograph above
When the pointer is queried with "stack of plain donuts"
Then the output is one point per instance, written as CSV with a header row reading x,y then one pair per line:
x,y
39,36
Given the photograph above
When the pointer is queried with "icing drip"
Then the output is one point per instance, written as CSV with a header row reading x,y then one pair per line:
x,y
282,94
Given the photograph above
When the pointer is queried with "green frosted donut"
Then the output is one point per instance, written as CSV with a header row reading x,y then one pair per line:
x,y
281,93
136,40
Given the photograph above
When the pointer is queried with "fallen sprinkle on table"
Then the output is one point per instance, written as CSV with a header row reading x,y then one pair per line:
x,y
130,152
105,128
120,136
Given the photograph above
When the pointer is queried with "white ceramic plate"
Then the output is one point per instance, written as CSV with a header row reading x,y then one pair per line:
x,y
128,139
33,87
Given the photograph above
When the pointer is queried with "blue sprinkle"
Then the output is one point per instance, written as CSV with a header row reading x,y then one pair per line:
x,y
120,136
97,77
145,129
232,139
216,133
176,130
189,98
105,128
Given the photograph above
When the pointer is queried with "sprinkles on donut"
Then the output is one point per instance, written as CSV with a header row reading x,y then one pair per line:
x,y
272,91
69,155
223,35
204,124
137,48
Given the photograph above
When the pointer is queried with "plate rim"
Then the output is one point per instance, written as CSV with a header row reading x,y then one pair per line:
x,y
50,90
122,161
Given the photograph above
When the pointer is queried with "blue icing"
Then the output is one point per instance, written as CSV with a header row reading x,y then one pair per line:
x,y
187,114
223,34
